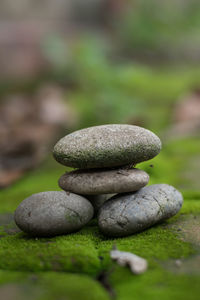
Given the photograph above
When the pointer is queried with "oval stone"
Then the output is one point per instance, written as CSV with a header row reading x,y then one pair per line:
x,y
107,146
127,214
100,181
98,200
53,213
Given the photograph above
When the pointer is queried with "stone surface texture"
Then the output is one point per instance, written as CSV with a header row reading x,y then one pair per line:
x,y
107,146
130,213
101,181
53,213
98,200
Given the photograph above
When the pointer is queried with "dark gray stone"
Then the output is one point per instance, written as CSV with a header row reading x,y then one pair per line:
x,y
53,213
127,214
98,200
100,181
107,146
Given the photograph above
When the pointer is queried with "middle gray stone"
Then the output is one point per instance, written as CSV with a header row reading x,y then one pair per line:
x,y
101,181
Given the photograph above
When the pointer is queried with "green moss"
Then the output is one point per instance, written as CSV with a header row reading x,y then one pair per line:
x,y
154,284
151,244
190,194
73,253
86,251
87,254
49,286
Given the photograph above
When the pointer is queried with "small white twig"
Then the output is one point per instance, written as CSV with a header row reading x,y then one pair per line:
x,y
137,265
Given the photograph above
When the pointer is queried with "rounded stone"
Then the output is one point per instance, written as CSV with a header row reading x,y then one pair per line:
x,y
107,146
98,200
101,181
127,214
53,213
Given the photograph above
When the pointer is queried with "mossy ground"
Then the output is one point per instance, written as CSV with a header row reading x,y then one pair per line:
x,y
49,286
69,267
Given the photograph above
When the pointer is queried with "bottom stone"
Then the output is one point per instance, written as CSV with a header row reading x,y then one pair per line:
x,y
126,214
53,213
98,200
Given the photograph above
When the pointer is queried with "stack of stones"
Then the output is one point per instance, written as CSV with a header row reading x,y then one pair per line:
x,y
105,183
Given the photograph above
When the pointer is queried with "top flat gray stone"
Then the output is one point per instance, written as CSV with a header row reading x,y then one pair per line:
x,y
107,146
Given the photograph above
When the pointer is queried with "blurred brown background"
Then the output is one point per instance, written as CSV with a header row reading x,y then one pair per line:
x,y
72,64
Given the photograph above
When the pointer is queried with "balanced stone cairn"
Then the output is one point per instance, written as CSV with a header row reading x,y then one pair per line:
x,y
105,184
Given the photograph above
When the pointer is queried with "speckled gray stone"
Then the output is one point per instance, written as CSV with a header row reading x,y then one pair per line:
x,y
101,181
98,200
107,146
53,213
127,214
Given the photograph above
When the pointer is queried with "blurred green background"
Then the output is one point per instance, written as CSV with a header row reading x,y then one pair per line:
x,y
69,65
99,62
